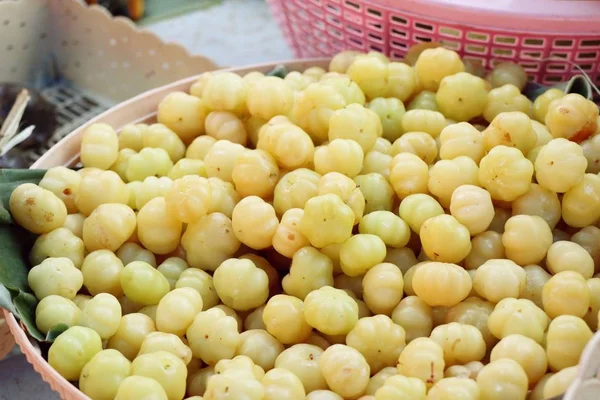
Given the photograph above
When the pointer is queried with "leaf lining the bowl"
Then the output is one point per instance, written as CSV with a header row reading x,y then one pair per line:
x,y
279,71
6,300
26,303
15,243
14,239
55,332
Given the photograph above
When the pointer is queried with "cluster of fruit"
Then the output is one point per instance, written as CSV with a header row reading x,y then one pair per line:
x,y
380,231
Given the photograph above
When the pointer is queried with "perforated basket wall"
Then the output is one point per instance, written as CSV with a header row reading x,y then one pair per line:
x,y
323,27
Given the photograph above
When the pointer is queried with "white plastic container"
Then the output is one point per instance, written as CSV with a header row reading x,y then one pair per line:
x,y
83,60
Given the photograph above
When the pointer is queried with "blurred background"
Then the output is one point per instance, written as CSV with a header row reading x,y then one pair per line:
x,y
229,32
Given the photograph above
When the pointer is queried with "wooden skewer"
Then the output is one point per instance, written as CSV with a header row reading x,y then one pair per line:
x,y
10,127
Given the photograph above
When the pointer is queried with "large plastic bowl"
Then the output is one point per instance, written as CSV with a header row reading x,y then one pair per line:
x,y
143,108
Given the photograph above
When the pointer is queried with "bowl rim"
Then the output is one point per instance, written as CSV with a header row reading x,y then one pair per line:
x,y
57,383
144,107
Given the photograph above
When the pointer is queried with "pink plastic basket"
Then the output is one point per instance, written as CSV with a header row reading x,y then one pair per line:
x,y
527,32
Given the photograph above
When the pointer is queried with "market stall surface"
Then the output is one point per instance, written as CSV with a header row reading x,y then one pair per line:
x,y
233,33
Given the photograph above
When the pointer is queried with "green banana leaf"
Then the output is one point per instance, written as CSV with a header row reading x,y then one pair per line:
x,y
15,243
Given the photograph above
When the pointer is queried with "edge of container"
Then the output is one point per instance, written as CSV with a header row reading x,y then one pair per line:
x,y
143,108
498,17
